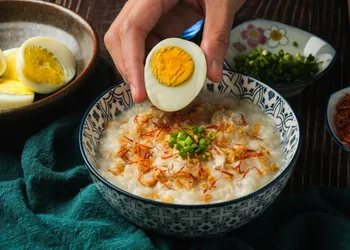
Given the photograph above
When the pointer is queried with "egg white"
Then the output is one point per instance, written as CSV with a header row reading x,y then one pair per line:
x,y
171,99
9,65
10,100
9,51
62,54
2,63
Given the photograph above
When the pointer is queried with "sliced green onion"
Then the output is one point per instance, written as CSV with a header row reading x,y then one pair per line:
x,y
172,143
187,145
277,67
202,148
182,153
178,147
202,141
182,143
211,136
182,135
188,141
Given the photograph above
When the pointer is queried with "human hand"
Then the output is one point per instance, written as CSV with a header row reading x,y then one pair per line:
x,y
143,23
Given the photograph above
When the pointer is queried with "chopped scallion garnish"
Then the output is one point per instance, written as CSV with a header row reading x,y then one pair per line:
x,y
188,145
276,67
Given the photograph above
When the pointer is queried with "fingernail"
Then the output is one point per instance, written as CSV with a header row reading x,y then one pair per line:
x,y
216,66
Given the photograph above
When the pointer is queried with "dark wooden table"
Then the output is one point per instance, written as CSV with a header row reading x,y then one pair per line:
x,y
321,161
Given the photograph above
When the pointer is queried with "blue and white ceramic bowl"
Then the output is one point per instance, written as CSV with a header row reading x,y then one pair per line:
x,y
330,115
192,220
273,36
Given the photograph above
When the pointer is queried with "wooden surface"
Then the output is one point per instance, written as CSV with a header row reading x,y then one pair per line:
x,y
321,161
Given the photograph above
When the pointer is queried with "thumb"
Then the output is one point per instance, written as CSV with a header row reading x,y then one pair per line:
x,y
216,35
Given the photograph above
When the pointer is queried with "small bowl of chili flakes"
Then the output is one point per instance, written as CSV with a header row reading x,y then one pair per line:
x,y
338,118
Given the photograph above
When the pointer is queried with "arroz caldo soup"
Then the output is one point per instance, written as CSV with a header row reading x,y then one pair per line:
x,y
208,152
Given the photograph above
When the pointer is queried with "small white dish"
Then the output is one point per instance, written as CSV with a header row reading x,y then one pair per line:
x,y
330,115
273,36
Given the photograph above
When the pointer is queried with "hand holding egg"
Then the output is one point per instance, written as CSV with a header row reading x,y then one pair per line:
x,y
175,72
143,23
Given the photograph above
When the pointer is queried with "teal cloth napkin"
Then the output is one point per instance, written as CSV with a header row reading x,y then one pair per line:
x,y
48,201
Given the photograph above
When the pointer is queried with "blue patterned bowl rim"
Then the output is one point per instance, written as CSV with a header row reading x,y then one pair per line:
x,y
197,206
295,83
330,130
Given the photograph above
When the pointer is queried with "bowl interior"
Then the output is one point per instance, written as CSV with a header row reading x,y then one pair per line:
x,y
118,99
20,20
273,36
331,111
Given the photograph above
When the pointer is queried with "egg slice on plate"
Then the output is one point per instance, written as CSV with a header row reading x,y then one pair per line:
x,y
14,94
2,63
175,72
10,58
45,65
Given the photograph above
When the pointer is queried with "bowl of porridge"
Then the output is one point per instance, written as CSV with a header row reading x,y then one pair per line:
x,y
198,172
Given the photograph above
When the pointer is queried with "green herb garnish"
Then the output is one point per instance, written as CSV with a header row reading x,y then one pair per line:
x,y
276,67
190,146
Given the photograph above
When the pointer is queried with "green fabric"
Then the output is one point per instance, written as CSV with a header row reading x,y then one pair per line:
x,y
47,201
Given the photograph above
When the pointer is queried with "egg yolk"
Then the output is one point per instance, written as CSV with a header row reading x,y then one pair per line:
x,y
10,72
172,66
12,87
41,66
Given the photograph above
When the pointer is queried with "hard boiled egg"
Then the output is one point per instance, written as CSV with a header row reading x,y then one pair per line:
x,y
14,94
10,58
175,72
44,65
2,63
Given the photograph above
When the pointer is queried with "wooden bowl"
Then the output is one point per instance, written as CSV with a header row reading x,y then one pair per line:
x,y
20,20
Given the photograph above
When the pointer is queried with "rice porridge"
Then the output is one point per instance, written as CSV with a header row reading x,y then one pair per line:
x,y
208,152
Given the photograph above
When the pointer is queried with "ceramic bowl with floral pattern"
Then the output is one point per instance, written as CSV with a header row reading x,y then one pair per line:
x,y
273,36
192,220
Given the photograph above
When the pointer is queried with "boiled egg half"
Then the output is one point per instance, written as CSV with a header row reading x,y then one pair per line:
x,y
175,72
13,94
2,63
44,65
10,58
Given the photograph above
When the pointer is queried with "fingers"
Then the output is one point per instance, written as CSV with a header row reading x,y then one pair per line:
x,y
125,40
216,35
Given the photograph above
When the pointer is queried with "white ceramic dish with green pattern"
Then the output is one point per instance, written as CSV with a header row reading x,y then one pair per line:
x,y
273,36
